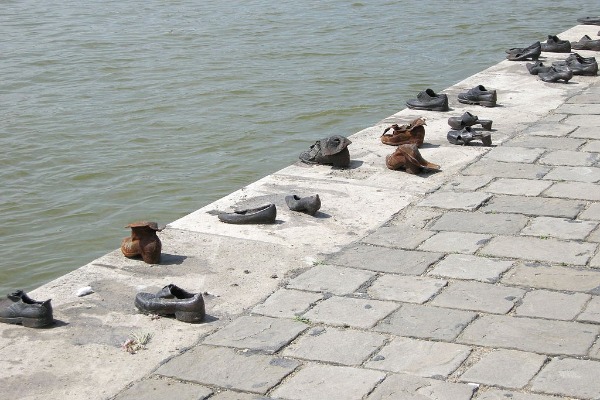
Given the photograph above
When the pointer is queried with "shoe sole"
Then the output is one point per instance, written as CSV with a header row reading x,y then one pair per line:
x,y
28,322
481,103
428,108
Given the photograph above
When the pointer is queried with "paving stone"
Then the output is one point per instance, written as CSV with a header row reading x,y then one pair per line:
x,y
465,266
331,279
578,174
519,187
569,377
426,322
159,389
592,146
572,158
575,190
408,387
552,305
549,129
499,224
398,236
382,259
583,120
559,228
579,108
584,98
592,312
212,366
595,262
533,335
594,237
287,303
257,333
420,357
228,395
478,296
554,277
506,169
349,347
416,217
497,394
467,183
505,368
455,242
595,351
530,248
544,142
591,213
318,382
534,206
409,289
359,313
514,154
450,200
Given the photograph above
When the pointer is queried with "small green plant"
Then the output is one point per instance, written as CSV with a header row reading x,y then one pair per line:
x,y
136,342
304,320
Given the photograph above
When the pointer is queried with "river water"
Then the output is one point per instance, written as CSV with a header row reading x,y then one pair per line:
x,y
114,111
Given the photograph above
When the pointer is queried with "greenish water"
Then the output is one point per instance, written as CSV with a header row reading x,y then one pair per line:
x,y
115,111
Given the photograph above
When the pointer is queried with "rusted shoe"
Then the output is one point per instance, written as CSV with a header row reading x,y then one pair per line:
x,y
172,300
479,95
260,215
468,119
408,157
537,67
332,151
527,53
556,74
18,308
429,100
308,205
143,242
466,135
413,133
556,45
586,43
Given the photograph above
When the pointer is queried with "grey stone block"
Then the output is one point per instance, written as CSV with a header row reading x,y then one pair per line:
x,y
420,357
534,206
575,190
592,146
518,187
228,395
383,259
570,158
318,382
580,108
465,266
450,200
583,120
479,296
497,394
331,279
416,217
160,389
467,183
349,347
559,228
591,312
344,311
254,373
569,377
595,351
257,333
426,322
455,242
552,305
499,224
514,154
409,289
408,387
505,368
533,335
578,174
544,142
584,98
549,129
591,213
550,250
401,236
506,169
554,277
595,261
594,237
287,303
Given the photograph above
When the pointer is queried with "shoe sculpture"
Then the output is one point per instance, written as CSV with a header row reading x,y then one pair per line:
x,y
468,119
579,65
18,308
408,157
405,134
479,95
308,205
261,215
586,43
521,54
556,74
430,101
172,300
332,150
466,135
589,20
143,242
556,45
537,67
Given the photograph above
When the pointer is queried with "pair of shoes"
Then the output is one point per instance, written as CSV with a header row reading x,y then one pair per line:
x,y
407,156
468,119
265,214
332,150
430,101
589,20
18,308
172,300
405,134
524,53
537,67
556,45
143,242
555,74
479,95
308,205
466,135
579,65
586,43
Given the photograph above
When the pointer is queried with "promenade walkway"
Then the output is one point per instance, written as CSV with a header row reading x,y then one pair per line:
x,y
481,281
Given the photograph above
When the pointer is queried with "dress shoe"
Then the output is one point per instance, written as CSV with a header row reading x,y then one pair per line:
x,y
468,119
579,65
586,43
309,205
407,156
143,242
521,54
589,20
172,300
556,45
537,67
556,74
18,308
479,95
466,135
261,215
430,101
332,151
405,134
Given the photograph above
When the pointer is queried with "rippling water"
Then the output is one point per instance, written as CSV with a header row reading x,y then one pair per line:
x,y
114,111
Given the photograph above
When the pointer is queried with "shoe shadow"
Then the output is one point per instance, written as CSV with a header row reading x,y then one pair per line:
x,y
322,215
430,146
353,165
171,259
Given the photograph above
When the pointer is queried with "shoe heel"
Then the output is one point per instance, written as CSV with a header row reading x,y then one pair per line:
x,y
188,316
486,140
36,322
487,103
486,124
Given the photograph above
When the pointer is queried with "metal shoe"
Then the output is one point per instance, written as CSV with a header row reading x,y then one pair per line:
x,y
556,74
405,134
172,300
586,43
430,101
589,20
332,150
408,157
18,308
537,67
468,119
143,242
556,45
521,54
579,65
466,135
260,215
309,205
479,95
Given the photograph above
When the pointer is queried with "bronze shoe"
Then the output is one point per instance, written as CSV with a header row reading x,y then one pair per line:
x,y
332,150
413,133
143,242
407,156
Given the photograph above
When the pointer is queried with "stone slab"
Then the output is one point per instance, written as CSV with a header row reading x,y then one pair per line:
x,y
518,187
465,266
552,305
534,206
583,120
575,190
401,236
497,394
554,277
467,183
254,373
426,322
408,387
450,200
331,279
591,213
595,351
344,311
500,169
229,395
455,242
318,382
571,158
549,143
578,174
514,154
499,224
160,389
549,129
531,335
591,314
584,98
559,228
581,108
569,377
592,146
479,296
420,357
409,289
287,303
